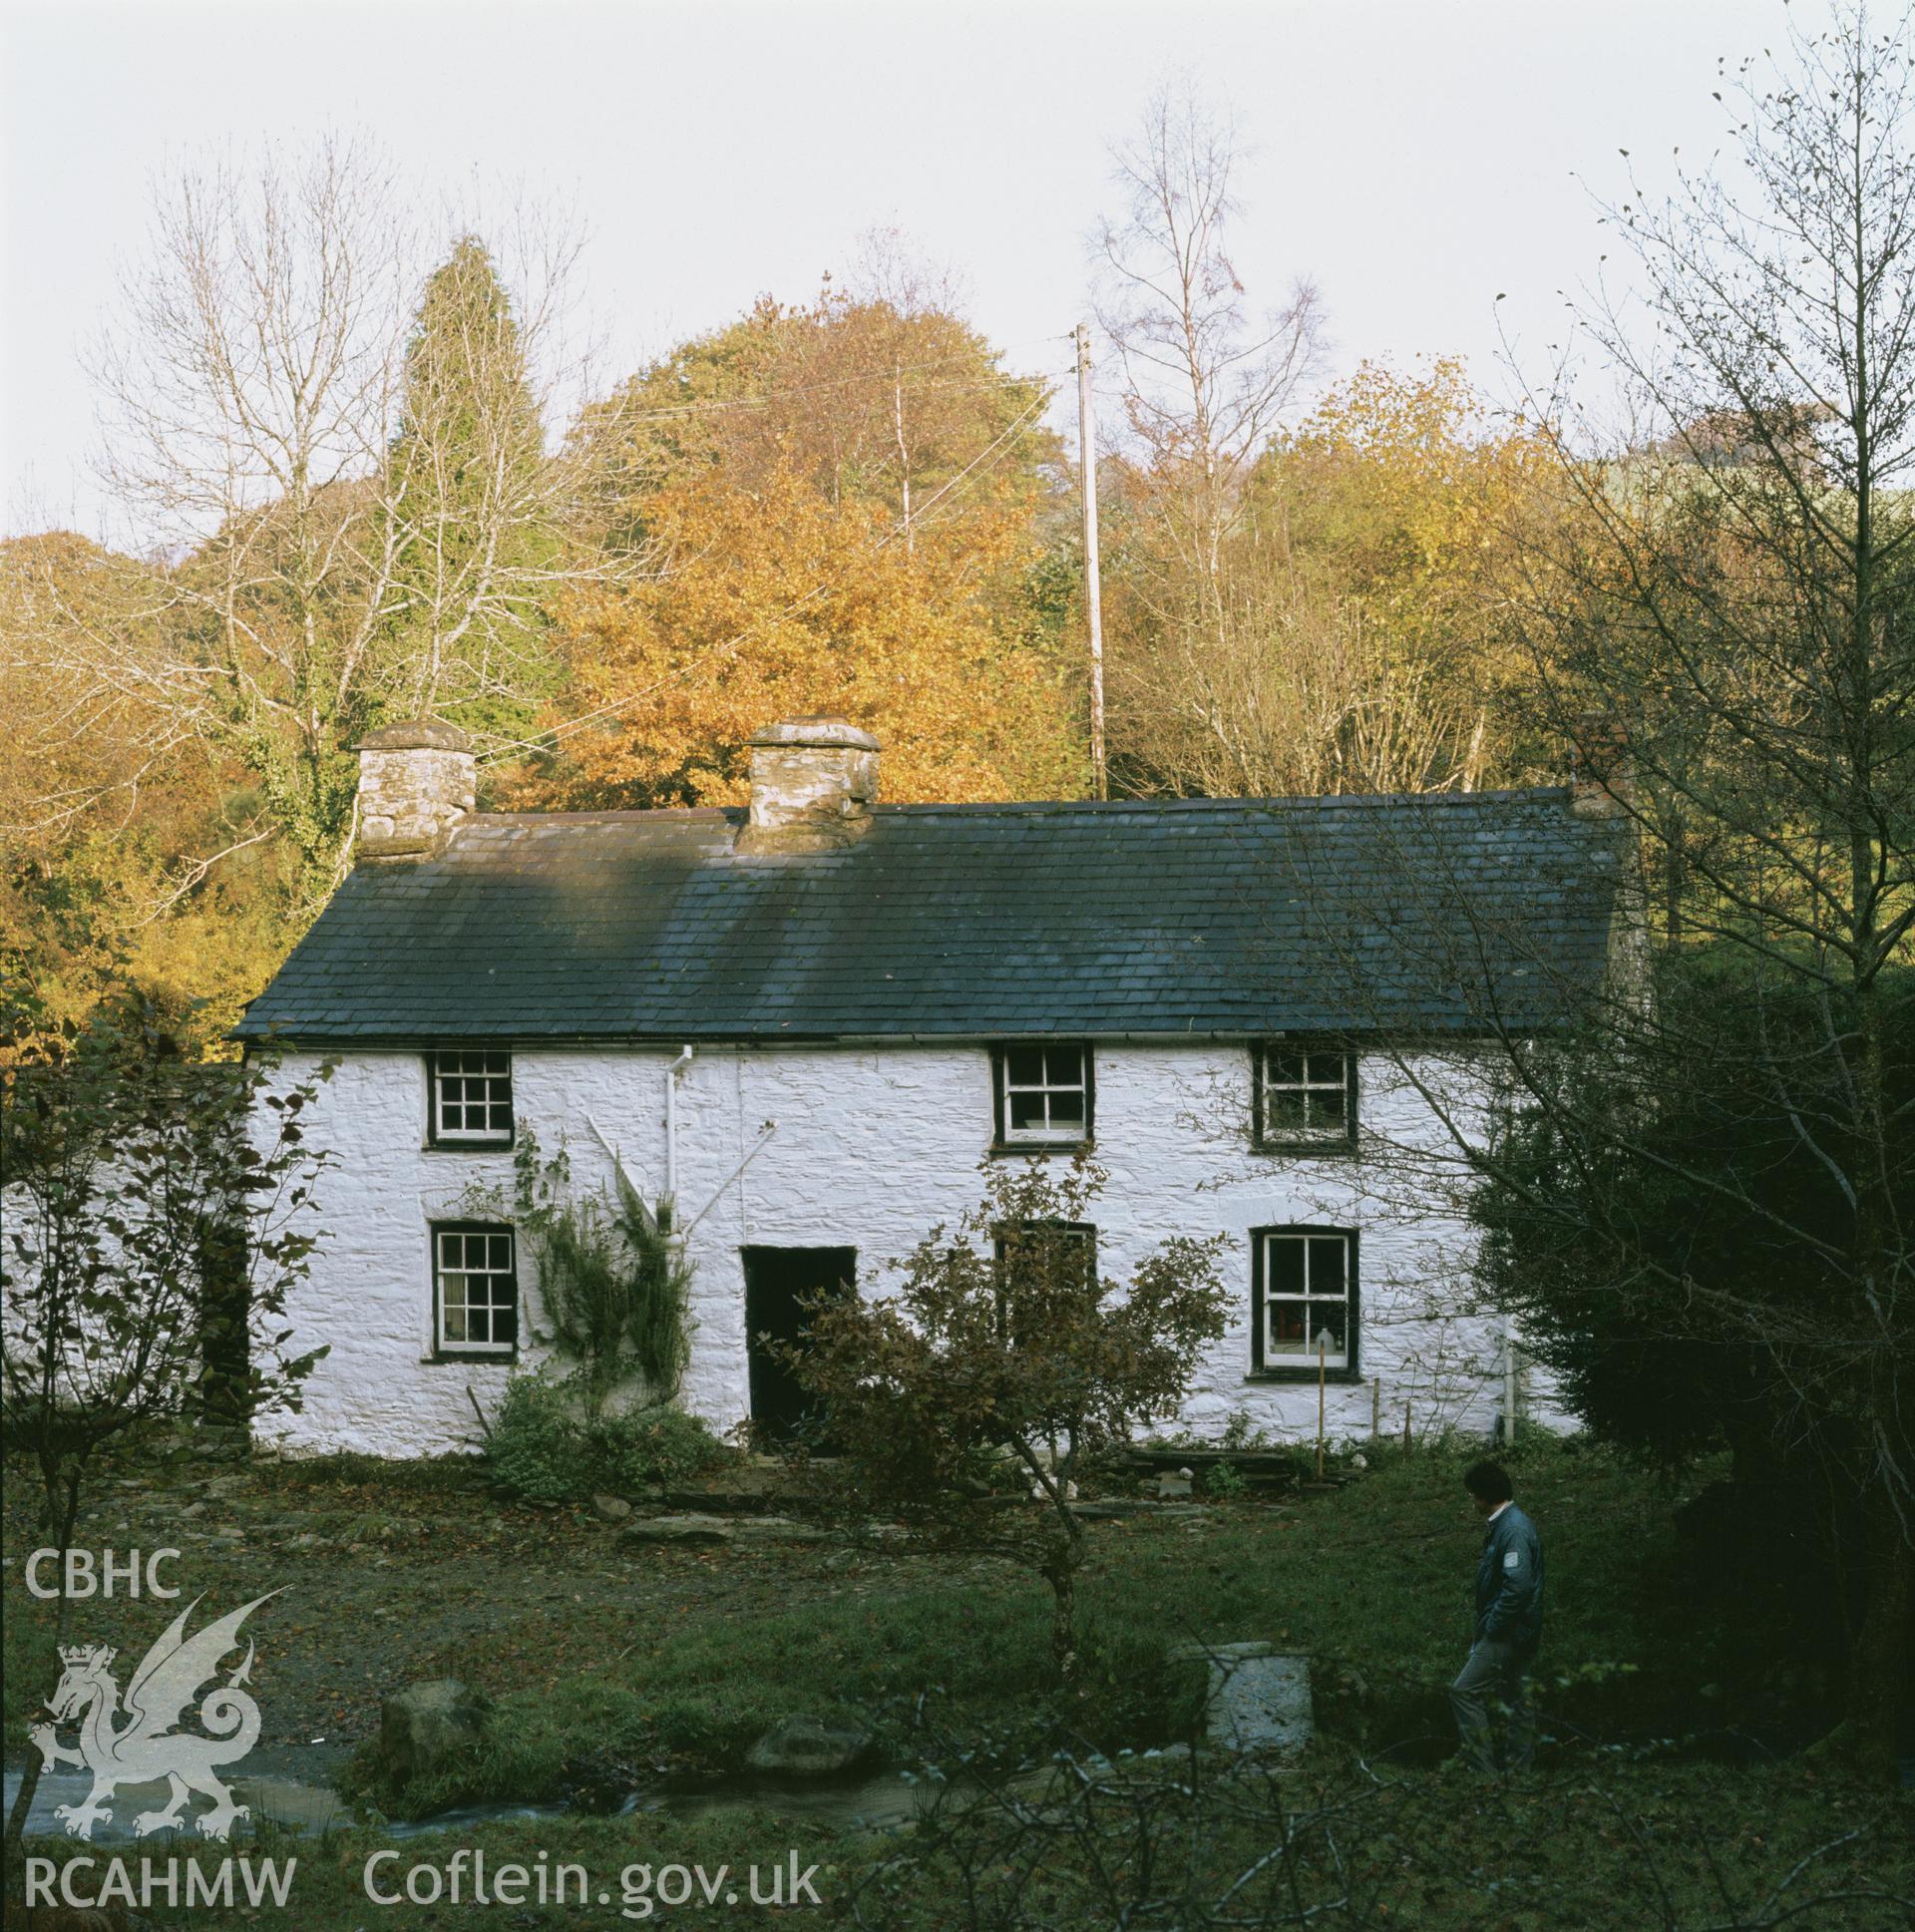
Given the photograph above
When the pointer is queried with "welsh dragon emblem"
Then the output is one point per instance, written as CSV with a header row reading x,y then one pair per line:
x,y
147,1748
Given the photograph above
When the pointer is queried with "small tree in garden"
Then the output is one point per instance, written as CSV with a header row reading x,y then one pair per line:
x,y
965,1406
153,1229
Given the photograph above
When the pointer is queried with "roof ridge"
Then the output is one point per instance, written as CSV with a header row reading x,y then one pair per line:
x,y
622,815
1538,794
1356,801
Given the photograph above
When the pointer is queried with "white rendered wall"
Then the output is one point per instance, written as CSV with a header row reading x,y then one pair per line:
x,y
872,1148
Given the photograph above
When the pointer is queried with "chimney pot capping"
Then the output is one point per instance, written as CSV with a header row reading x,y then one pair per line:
x,y
419,734
819,733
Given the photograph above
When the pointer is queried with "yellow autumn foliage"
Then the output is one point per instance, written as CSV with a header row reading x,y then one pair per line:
x,y
777,602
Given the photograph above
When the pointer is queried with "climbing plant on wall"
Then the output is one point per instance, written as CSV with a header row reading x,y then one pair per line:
x,y
613,1284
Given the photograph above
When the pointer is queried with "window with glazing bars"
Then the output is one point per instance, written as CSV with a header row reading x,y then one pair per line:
x,y
471,1098
475,1289
1306,1294
1305,1097
1043,1093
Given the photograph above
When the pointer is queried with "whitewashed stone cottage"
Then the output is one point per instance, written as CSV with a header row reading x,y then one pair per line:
x,y
809,1023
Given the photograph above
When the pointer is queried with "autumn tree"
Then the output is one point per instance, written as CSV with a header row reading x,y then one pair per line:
x,y
1289,609
966,1406
1364,638
781,602
844,505
130,851
877,389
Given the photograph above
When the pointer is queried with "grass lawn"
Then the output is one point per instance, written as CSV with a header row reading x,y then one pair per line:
x,y
679,1657
1373,1583
607,1661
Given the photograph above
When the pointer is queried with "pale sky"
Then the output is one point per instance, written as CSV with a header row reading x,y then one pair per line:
x,y
1414,158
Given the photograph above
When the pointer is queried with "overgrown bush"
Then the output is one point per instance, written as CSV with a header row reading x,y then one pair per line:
x,y
536,1445
545,1450
653,1445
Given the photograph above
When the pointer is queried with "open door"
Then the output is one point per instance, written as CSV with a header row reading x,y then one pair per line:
x,y
777,1279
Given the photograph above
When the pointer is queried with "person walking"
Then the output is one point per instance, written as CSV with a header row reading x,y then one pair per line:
x,y
1509,1625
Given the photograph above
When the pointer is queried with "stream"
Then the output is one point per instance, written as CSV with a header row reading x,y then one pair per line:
x,y
1260,1701
289,1787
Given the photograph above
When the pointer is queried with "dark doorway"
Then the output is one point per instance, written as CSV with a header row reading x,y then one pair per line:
x,y
777,1279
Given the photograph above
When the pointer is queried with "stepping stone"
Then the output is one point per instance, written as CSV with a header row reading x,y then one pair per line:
x,y
676,1530
776,1529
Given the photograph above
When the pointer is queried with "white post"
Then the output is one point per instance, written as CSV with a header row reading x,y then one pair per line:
x,y
1509,1379
1093,601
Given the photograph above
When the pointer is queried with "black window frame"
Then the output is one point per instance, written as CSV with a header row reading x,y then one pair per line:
x,y
489,1142
1003,1139
1351,1369
1342,1140
1084,1230
444,1351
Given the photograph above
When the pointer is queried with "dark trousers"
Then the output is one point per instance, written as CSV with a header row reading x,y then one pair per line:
x,y
1492,1681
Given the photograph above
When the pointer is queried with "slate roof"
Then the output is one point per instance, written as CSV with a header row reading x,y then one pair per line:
x,y
1231,918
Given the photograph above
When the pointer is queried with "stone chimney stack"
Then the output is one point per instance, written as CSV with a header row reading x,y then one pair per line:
x,y
813,781
1604,774
415,782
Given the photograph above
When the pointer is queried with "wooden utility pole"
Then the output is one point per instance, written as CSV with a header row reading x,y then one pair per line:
x,y
1093,603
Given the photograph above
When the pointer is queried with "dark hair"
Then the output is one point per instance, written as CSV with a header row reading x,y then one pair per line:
x,y
1489,1480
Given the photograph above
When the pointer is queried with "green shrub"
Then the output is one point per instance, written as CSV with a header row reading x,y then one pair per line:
x,y
537,1445
653,1445
1225,1482
542,1449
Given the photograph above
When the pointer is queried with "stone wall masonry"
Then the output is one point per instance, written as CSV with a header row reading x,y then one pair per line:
x,y
871,1148
408,798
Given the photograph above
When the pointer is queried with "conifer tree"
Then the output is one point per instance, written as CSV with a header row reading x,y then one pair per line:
x,y
471,517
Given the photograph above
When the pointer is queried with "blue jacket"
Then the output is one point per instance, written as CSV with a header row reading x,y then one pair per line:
x,y
1509,1581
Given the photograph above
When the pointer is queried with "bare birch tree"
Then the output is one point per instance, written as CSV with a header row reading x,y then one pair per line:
x,y
1205,380
357,516
1228,674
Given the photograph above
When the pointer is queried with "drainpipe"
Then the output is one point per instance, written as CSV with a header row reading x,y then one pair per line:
x,y
671,1136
